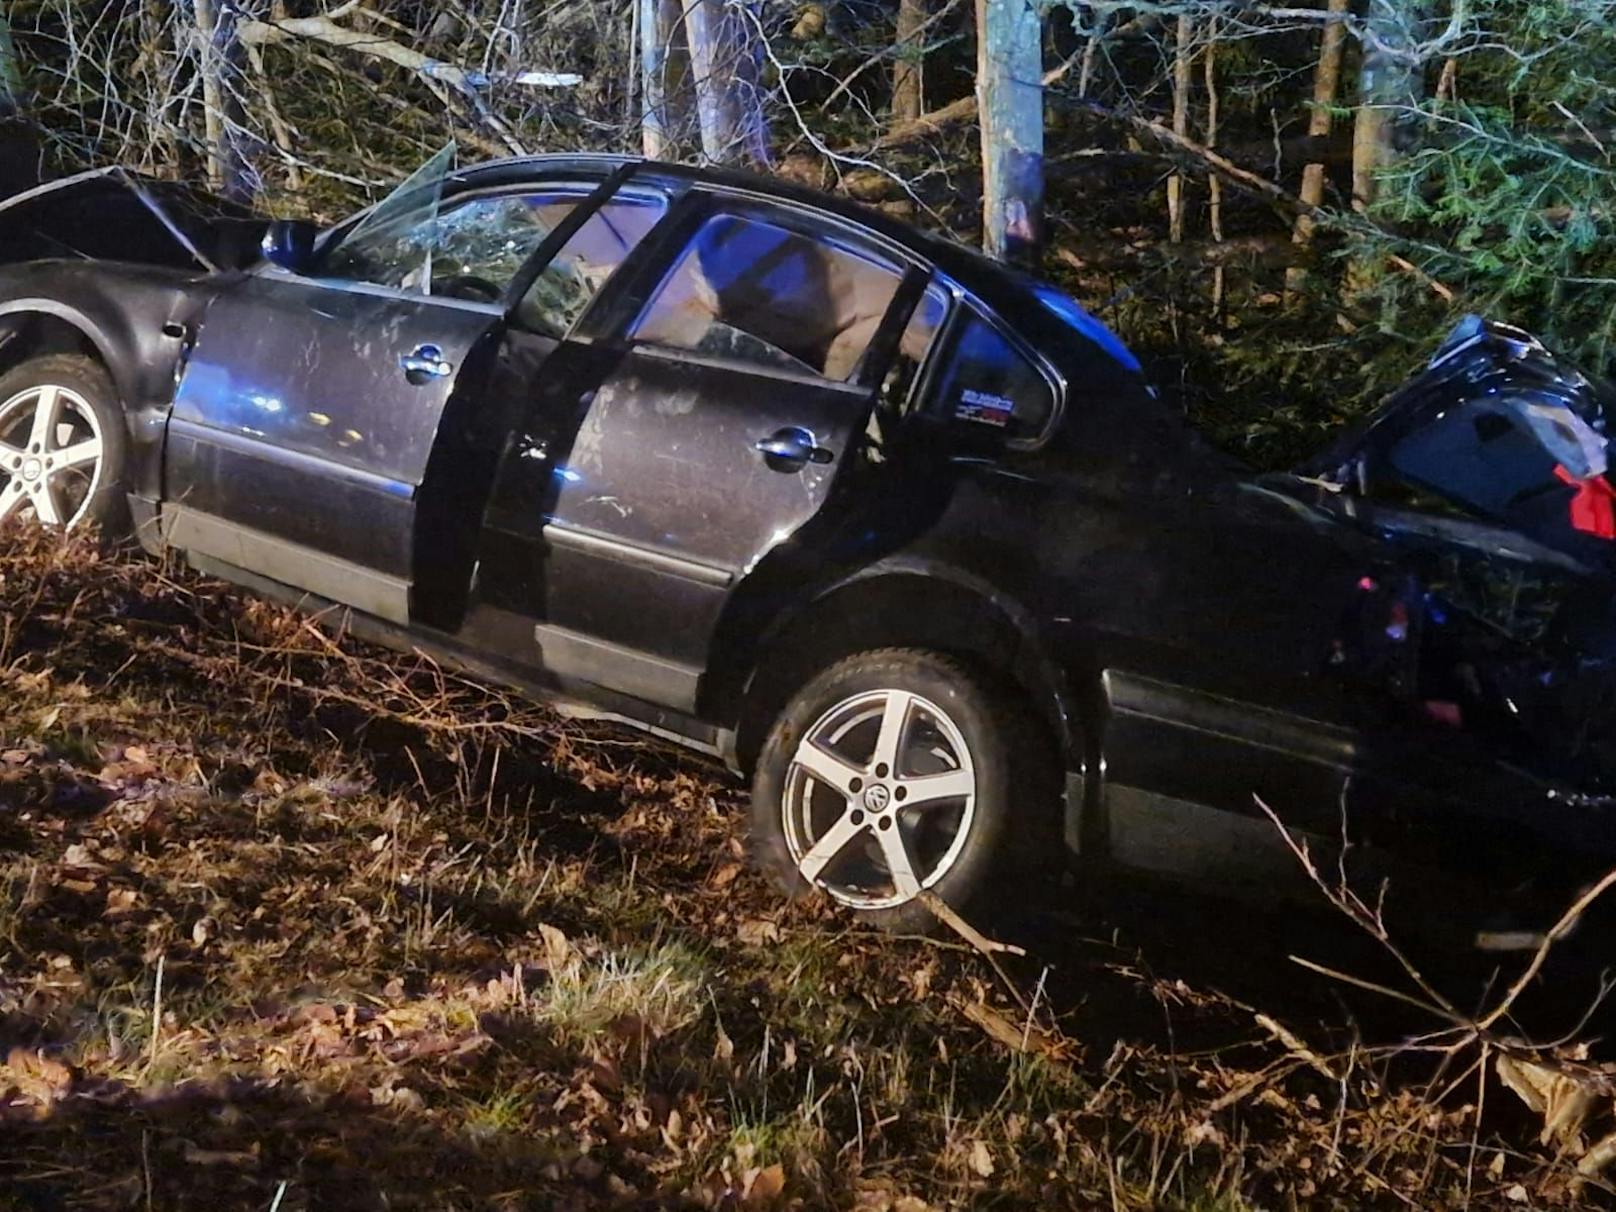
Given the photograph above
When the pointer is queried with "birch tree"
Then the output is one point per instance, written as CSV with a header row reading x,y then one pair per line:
x,y
1010,101
663,57
1390,84
726,58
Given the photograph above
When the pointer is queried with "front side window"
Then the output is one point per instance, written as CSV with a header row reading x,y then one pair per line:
x,y
751,291
990,384
471,250
574,276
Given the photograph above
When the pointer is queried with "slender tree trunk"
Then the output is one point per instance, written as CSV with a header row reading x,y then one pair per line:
x,y
664,77
10,71
229,173
726,54
1214,184
1182,56
1326,83
1091,54
908,90
653,78
1390,84
1010,100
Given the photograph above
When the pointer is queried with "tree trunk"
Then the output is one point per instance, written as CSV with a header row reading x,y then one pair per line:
x,y
229,173
1214,185
657,21
726,55
1010,99
908,91
10,71
1182,56
1326,83
1390,84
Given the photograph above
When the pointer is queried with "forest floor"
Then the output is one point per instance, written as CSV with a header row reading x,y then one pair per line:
x,y
288,922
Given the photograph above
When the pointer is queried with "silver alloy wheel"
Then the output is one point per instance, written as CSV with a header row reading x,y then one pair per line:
x,y
50,455
879,799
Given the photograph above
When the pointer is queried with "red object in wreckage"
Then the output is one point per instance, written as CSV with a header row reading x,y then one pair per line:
x,y
1593,507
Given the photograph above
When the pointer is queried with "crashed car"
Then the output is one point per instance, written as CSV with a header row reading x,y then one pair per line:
x,y
902,535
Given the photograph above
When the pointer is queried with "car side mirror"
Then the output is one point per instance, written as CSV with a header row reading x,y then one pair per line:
x,y
289,244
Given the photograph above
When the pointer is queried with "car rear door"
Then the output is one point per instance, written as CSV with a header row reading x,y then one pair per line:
x,y
301,442
700,421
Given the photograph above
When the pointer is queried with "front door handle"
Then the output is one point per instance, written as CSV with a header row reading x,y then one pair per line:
x,y
425,363
791,448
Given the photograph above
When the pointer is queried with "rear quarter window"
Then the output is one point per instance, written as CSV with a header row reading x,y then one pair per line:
x,y
989,384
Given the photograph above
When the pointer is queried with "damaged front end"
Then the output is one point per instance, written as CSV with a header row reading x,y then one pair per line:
x,y
111,214
1485,480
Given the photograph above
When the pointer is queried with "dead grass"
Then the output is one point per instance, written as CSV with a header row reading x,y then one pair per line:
x,y
424,946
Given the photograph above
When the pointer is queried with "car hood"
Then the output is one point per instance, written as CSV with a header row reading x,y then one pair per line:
x,y
111,214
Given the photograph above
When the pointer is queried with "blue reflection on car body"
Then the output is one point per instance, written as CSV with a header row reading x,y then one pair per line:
x,y
1069,310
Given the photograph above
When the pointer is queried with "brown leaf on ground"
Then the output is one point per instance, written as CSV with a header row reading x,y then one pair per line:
x,y
765,1186
38,1077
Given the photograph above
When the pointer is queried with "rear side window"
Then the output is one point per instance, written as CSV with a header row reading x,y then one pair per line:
x,y
751,291
987,382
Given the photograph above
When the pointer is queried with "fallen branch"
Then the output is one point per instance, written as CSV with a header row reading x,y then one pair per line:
x,y
1031,1039
941,910
327,31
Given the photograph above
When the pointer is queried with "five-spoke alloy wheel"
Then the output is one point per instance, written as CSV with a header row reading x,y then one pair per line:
x,y
61,443
885,776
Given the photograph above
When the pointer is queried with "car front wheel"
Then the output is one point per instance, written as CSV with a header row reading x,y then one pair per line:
x,y
61,444
887,776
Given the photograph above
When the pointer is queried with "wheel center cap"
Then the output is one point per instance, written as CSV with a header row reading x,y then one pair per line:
x,y
877,797
31,469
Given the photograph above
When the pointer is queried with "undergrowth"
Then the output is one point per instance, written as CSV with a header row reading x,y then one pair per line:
x,y
289,921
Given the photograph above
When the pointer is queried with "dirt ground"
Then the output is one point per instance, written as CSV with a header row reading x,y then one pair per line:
x,y
287,922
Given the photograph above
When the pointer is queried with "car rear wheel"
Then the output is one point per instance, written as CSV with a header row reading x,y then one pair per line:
x,y
887,776
61,444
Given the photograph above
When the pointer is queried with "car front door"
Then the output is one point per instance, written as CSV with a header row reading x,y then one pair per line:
x,y
300,440
706,412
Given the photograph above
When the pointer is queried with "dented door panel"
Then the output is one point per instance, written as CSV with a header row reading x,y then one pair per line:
x,y
296,417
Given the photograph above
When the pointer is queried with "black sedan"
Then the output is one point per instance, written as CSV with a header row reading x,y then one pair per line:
x,y
901,534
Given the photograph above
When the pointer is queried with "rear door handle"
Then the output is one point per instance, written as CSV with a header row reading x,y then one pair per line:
x,y
789,449
424,363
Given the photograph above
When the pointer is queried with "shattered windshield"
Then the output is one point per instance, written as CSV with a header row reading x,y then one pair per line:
x,y
394,240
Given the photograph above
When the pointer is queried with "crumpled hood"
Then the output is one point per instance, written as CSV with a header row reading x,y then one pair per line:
x,y
111,214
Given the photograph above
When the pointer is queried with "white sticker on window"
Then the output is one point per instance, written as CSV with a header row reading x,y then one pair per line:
x,y
984,406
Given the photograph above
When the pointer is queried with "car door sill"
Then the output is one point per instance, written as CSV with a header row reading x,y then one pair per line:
x,y
625,670
559,534
204,534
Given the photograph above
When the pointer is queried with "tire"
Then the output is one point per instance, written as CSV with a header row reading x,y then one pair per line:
x,y
66,467
835,827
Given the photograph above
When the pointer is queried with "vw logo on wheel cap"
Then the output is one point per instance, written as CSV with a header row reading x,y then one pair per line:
x,y
876,797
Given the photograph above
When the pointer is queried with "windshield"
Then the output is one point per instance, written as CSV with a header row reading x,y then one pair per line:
x,y
407,219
